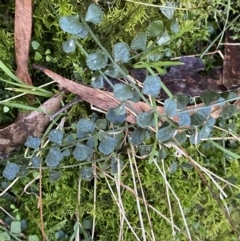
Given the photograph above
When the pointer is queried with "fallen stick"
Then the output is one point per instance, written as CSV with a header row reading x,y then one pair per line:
x,y
22,38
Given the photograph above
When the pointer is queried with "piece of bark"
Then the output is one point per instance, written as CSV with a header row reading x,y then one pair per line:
x,y
186,79
22,38
32,124
231,70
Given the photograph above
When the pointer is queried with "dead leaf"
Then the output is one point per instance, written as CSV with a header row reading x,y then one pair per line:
x,y
105,100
